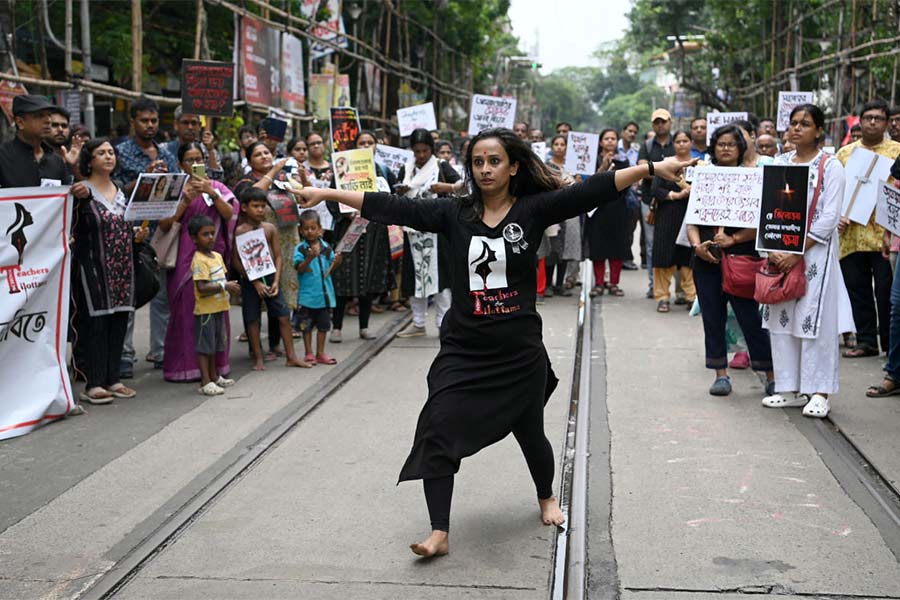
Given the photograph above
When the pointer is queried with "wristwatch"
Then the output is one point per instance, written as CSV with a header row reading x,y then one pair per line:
x,y
650,168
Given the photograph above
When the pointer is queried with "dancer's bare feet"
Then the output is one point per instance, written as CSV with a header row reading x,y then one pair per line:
x,y
437,544
550,512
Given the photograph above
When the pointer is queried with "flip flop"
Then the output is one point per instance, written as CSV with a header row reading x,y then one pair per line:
x,y
326,360
879,391
122,391
663,306
860,352
96,396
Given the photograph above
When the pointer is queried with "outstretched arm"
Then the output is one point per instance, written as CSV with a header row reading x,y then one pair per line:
x,y
421,214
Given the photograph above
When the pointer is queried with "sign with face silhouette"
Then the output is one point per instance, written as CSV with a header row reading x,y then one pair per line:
x,y
487,263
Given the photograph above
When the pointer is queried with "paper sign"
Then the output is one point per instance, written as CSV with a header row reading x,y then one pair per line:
x,y
539,148
416,117
783,216
155,196
253,249
352,235
326,220
207,88
581,153
862,172
725,196
293,96
392,158
344,128
71,101
887,207
354,171
491,111
321,94
261,57
717,119
786,103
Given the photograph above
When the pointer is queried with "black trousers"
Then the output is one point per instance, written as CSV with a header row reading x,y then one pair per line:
x,y
871,312
538,452
714,311
560,266
101,340
340,305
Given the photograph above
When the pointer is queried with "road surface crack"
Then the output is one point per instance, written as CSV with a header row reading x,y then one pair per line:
x,y
763,590
349,582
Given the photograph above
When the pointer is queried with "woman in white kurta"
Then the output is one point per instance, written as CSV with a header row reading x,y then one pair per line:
x,y
805,331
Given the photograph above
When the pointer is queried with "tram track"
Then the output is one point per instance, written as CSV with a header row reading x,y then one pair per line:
x,y
244,457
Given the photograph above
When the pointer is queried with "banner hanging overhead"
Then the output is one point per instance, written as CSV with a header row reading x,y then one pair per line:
x,y
34,307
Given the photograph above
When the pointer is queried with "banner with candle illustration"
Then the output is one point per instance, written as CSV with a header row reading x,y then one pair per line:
x,y
34,307
783,216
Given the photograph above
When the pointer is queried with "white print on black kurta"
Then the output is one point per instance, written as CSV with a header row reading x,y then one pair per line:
x,y
487,277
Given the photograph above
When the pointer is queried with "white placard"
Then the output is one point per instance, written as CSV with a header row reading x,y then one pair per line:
x,y
253,248
725,196
488,112
887,207
416,117
351,236
715,120
862,172
392,158
539,148
155,196
581,153
34,307
786,103
326,220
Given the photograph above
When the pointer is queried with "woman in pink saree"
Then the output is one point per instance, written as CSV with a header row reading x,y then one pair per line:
x,y
200,197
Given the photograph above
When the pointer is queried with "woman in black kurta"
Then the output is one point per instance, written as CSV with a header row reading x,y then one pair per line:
x,y
492,375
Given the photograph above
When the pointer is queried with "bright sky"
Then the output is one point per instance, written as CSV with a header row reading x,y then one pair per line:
x,y
568,31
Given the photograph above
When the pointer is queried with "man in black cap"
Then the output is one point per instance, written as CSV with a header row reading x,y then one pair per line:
x,y
28,160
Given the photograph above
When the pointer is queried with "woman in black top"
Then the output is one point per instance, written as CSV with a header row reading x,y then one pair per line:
x,y
670,201
492,375
726,148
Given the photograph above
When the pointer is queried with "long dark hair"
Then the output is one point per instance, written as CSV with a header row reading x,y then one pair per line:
x,y
735,132
532,176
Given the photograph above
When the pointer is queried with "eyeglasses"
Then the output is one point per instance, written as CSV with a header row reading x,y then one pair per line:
x,y
315,143
873,118
191,123
726,145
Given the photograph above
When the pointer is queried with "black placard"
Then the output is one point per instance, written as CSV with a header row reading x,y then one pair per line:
x,y
783,217
207,88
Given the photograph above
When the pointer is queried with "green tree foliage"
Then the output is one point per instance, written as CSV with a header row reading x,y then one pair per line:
x,y
562,99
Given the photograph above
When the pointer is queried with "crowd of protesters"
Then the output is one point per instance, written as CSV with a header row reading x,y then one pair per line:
x,y
316,288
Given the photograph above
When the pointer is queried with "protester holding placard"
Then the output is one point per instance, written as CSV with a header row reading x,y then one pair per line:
x,y
710,243
607,228
671,199
426,263
212,199
104,285
282,212
363,272
805,331
861,250
890,384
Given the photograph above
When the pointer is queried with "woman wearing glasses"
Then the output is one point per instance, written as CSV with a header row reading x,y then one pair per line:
x,y
727,148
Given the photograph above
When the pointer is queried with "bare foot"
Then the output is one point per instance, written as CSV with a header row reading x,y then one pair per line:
x,y
437,544
550,512
296,362
259,365
272,355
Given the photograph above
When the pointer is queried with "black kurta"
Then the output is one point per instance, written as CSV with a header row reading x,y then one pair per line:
x,y
607,229
669,217
492,366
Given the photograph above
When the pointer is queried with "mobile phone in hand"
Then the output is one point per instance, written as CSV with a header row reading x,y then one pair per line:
x,y
198,170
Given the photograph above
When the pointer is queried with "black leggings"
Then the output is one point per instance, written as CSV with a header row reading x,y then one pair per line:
x,y
538,452
560,266
365,309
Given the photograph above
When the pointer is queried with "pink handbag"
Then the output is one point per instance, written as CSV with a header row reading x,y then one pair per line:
x,y
774,287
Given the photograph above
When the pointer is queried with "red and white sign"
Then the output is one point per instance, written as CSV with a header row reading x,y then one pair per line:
x,y
34,308
261,52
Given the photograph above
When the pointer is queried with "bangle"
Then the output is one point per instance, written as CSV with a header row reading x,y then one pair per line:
x,y
222,285
650,168
267,177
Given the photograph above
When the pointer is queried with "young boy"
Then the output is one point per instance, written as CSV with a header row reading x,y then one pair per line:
x,y
314,259
253,293
211,291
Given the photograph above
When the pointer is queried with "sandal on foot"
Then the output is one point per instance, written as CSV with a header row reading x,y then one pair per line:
x,y
860,352
96,395
615,290
817,407
211,389
663,306
781,401
721,386
324,359
597,291
121,391
310,358
879,391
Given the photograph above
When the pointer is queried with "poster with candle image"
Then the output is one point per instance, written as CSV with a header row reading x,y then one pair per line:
x,y
783,215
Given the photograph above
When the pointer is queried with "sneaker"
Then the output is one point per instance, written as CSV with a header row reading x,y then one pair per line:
x,y
365,335
741,360
630,266
549,293
721,386
562,291
126,369
336,337
211,389
224,382
539,299
411,331
649,294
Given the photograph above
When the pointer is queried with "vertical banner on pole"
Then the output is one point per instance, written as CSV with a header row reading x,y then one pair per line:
x,y
34,308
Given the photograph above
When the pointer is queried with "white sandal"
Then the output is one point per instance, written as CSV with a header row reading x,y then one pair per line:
x,y
779,401
817,407
211,389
